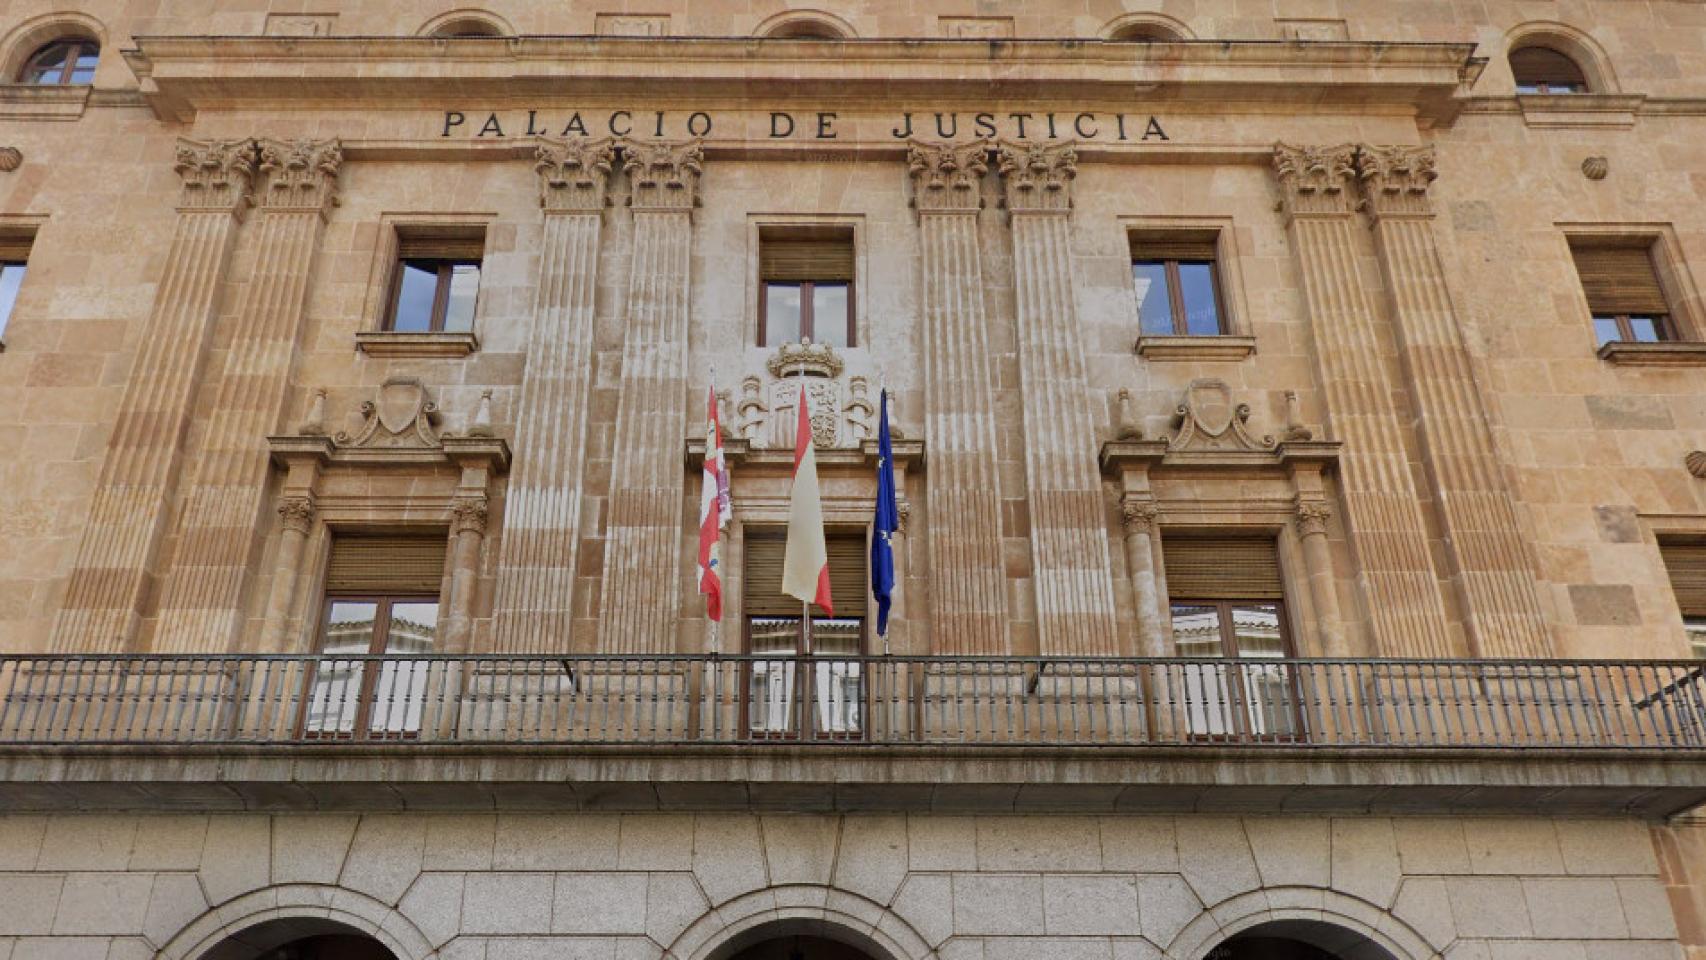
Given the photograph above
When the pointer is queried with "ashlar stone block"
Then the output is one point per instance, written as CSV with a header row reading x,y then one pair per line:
x,y
434,905
507,903
673,902
31,901
169,843
87,842
1489,907
1291,851
1139,844
527,841
20,841
1215,859
310,849
600,903
920,903
237,856
102,903
1575,907
1510,846
800,849
175,900
386,856
460,841
1365,859
655,842
728,855
1090,905
1166,904
1039,843
997,904
941,843
872,859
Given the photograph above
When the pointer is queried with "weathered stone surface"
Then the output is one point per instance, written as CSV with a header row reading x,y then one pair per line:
x,y
237,856
385,856
728,855
1084,905
507,903
1604,605
608,903
1038,843
310,849
544,842
800,849
1291,852
74,842
31,899
1214,857
997,904
1489,907
872,857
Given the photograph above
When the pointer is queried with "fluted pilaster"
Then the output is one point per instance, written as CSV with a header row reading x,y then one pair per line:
x,y
121,540
543,506
219,530
1491,565
964,539
641,595
1070,560
1382,510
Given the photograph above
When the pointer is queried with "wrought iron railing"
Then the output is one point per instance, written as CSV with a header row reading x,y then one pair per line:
x,y
997,702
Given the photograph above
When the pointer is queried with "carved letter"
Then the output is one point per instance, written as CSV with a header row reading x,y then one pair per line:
x,y
452,118
492,126
902,132
776,129
824,120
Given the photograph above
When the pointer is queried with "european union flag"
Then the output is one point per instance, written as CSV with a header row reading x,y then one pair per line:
x,y
886,525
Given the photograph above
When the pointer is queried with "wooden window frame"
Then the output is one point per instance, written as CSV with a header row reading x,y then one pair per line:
x,y
1662,323
446,268
1223,609
12,261
75,47
1176,295
807,321
1576,87
383,602
1236,679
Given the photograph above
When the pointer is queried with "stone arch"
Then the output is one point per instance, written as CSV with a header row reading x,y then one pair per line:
x,y
311,903
1146,26
828,912
26,38
477,22
1306,912
1569,41
805,24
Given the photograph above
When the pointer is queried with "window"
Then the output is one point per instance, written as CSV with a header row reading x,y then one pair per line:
x,y
1228,602
467,27
783,662
381,598
437,281
14,259
1623,291
805,288
1545,70
62,62
1145,33
805,30
1686,564
1178,286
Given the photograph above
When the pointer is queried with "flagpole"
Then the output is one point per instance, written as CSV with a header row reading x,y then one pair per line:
x,y
805,605
709,442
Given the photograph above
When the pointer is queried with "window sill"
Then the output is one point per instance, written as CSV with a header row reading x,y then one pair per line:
x,y
1226,347
1579,109
24,101
389,343
1670,353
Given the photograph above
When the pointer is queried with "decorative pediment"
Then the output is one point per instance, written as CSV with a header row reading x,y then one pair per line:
x,y
1208,418
398,427
401,415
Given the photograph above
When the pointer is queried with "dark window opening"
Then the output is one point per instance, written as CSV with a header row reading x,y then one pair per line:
x,y
1546,71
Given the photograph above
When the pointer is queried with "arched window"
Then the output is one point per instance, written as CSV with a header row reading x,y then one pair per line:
x,y
1546,71
1145,33
68,61
806,29
468,27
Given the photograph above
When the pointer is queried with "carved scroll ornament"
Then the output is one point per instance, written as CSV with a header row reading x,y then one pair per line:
x,y
947,176
401,415
1208,419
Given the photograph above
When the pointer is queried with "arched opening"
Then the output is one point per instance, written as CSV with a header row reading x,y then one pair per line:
x,y
805,30
801,948
1148,27
1144,33
800,940
64,62
301,938
466,23
1543,70
467,28
1298,940
805,25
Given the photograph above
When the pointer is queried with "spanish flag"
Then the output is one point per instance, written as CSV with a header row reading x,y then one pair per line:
x,y
805,561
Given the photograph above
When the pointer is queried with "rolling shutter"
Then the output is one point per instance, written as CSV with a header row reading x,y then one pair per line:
x,y
1620,280
1686,563
386,565
441,243
762,592
1222,568
797,259
1543,65
1186,245
14,248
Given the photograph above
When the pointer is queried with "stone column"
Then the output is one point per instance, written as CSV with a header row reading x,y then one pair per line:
x,y
1400,591
1491,565
205,601
1070,560
1139,518
641,596
467,531
964,532
1312,517
296,521
542,507
115,561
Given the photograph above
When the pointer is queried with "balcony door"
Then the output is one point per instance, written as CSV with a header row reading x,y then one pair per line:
x,y
802,685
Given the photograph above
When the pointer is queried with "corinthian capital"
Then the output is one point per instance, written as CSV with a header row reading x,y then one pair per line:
x,y
300,174
1037,178
1312,517
573,174
468,514
217,174
1395,180
663,176
1139,515
1315,179
947,176
296,513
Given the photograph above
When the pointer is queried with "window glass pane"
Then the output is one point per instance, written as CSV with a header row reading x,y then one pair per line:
x,y
1645,329
11,277
1205,688
1196,630
837,682
336,696
48,66
781,313
1696,627
415,292
400,695
464,287
1196,283
84,71
1605,330
1154,312
1528,88
829,313
1256,630
770,688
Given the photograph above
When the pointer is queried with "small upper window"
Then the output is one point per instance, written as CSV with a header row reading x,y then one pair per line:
x,y
62,62
1623,291
1545,70
468,27
437,282
1177,281
806,288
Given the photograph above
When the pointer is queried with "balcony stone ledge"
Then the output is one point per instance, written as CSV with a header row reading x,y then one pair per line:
x,y
1642,783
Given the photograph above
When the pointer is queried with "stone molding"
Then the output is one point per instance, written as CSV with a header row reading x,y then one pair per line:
x,y
296,513
947,177
574,174
1666,353
1395,179
218,175
285,901
301,175
441,345
663,175
1313,178
1037,178
1225,348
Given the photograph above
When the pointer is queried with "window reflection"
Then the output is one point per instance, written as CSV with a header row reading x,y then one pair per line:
x,y
382,699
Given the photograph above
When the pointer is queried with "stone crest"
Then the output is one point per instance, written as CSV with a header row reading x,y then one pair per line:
x,y
400,415
843,412
1208,418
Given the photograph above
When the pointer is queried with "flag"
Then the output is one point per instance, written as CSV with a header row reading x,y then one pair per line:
x,y
714,513
886,524
805,561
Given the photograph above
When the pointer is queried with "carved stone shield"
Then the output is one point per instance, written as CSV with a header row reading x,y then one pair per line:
x,y
400,403
1210,404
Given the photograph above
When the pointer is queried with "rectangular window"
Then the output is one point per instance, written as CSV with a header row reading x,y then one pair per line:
x,y
1228,602
1177,280
805,288
1623,290
437,281
1686,564
785,666
382,597
14,258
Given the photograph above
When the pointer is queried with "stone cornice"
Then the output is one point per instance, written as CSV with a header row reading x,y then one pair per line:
x,y
180,75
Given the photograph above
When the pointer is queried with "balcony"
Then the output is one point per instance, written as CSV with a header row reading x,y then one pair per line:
x,y
850,732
